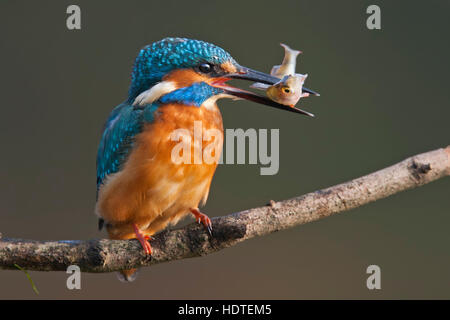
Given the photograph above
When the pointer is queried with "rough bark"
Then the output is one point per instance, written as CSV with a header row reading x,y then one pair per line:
x,y
193,241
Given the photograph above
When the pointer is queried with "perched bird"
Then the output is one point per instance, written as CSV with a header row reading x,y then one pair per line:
x,y
288,90
174,82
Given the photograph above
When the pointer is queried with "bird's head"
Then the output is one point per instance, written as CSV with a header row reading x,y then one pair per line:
x,y
190,72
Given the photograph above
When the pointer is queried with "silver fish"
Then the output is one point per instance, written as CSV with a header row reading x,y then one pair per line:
x,y
288,90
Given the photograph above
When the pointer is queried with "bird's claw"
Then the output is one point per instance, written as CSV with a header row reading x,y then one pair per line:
x,y
206,221
209,228
147,247
203,219
143,239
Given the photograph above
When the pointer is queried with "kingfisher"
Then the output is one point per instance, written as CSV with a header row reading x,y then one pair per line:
x,y
174,83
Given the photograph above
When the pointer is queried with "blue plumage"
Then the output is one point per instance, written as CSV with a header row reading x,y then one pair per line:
x,y
123,124
126,121
157,59
151,64
195,94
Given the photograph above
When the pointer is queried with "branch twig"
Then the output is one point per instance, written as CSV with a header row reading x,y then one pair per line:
x,y
193,241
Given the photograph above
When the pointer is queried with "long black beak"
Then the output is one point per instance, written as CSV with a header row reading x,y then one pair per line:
x,y
256,76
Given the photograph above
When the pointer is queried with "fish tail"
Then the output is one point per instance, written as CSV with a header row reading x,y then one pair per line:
x,y
290,50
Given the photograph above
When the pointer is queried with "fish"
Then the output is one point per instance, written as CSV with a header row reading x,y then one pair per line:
x,y
288,65
288,90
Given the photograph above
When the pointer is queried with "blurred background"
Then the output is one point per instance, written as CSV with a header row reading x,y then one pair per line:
x,y
384,97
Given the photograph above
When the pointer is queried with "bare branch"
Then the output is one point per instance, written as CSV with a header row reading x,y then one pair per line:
x,y
193,241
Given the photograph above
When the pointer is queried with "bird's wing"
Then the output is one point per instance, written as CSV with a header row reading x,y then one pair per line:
x,y
123,124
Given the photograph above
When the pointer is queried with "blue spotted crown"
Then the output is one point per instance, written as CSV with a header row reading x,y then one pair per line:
x,y
159,58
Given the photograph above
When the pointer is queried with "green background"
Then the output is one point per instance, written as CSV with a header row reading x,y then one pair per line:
x,y
384,97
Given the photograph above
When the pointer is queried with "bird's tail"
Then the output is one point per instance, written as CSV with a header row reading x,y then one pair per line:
x,y
127,275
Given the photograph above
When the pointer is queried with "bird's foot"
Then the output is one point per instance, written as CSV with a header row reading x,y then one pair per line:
x,y
143,239
202,218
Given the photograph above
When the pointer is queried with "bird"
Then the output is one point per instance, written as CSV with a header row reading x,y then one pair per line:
x,y
174,82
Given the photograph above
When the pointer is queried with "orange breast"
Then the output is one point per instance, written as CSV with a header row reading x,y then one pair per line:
x,y
152,189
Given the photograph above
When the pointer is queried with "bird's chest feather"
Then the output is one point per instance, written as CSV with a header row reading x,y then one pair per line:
x,y
175,147
170,168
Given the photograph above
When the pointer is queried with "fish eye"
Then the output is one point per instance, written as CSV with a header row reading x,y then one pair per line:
x,y
286,90
205,68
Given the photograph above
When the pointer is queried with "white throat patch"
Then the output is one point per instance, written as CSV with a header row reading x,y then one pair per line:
x,y
154,93
211,102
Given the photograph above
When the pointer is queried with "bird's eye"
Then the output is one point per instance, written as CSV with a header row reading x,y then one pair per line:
x,y
286,90
205,68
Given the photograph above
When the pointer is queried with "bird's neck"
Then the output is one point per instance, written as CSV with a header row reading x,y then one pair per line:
x,y
166,92
193,95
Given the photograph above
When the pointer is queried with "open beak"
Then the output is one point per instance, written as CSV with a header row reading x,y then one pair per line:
x,y
255,76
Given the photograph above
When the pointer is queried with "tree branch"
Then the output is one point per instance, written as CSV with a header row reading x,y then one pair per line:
x,y
193,241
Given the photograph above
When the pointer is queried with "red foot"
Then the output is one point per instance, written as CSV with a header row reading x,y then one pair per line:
x,y
143,240
202,218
